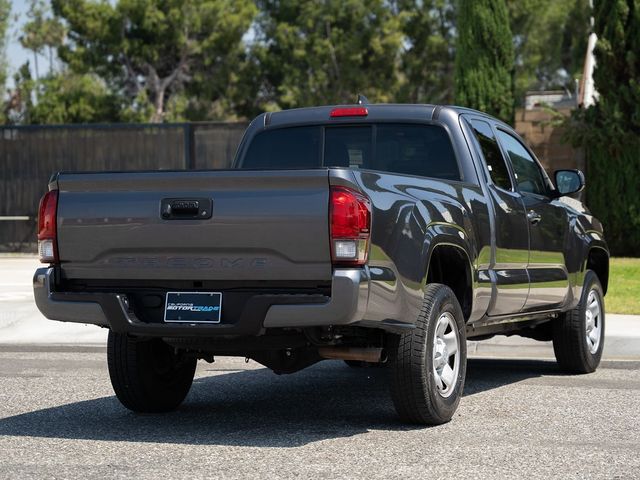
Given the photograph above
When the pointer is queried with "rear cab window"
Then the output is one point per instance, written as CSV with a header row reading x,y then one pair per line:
x,y
408,149
296,147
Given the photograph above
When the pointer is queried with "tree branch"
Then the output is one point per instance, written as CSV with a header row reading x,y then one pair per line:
x,y
132,76
177,72
334,60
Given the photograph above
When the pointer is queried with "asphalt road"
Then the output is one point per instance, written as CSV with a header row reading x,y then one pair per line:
x,y
518,419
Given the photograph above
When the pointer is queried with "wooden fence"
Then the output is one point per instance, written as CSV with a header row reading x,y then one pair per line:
x,y
29,155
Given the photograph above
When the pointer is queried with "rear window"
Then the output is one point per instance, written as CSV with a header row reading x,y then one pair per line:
x,y
285,148
423,150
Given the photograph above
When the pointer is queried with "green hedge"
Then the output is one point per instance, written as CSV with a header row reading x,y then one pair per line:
x,y
609,131
613,194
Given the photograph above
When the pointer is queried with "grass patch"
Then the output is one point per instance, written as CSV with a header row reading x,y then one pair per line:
x,y
623,295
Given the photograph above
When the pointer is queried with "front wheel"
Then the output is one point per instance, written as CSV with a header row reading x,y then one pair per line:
x,y
147,374
428,364
578,335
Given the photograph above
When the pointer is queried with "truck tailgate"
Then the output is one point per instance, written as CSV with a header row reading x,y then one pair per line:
x,y
265,225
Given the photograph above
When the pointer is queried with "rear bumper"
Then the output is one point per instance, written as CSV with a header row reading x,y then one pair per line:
x,y
347,305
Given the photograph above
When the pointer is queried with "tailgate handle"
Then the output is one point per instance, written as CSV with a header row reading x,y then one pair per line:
x,y
186,208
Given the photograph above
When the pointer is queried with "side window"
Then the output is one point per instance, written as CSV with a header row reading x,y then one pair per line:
x,y
527,172
492,155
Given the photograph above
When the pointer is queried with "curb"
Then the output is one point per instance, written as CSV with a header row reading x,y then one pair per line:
x,y
622,341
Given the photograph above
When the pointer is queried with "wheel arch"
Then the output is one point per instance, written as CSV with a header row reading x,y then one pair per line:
x,y
598,261
445,262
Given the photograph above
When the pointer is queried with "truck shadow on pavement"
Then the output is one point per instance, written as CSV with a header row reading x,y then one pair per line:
x,y
259,409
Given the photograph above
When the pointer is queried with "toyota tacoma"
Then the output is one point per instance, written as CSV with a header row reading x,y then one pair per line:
x,y
373,234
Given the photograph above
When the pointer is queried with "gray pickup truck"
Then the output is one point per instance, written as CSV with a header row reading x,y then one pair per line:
x,y
374,234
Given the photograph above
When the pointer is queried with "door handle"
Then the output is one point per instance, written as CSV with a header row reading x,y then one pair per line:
x,y
534,217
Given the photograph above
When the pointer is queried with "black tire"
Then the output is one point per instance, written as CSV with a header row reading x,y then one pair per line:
x,y
570,344
414,390
148,376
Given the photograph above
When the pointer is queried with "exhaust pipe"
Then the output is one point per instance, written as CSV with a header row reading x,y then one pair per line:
x,y
370,355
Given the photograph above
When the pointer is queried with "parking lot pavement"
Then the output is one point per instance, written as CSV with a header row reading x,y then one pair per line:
x,y
20,320
518,419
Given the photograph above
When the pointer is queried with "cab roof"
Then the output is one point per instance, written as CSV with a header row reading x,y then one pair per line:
x,y
375,112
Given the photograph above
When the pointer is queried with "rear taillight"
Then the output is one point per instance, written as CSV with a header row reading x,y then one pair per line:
x,y
350,226
47,216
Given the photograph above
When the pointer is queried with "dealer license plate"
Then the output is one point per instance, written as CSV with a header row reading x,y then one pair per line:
x,y
193,307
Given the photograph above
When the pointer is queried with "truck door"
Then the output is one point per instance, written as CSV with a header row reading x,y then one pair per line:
x,y
548,227
511,243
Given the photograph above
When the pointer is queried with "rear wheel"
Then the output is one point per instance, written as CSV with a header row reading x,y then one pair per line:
x,y
428,364
148,375
578,335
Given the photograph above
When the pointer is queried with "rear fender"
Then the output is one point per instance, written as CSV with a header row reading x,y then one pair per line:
x,y
443,234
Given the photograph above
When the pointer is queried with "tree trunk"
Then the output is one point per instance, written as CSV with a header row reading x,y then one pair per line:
x,y
158,87
158,107
35,65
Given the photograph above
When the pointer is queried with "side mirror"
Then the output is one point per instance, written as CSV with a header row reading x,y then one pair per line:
x,y
569,182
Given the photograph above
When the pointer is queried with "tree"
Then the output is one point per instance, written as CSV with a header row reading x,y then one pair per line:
x,y
428,56
64,97
5,12
617,72
74,98
42,32
148,51
575,36
609,131
18,106
550,39
176,60
485,58
324,52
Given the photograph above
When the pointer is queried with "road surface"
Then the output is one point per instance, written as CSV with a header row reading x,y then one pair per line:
x,y
517,419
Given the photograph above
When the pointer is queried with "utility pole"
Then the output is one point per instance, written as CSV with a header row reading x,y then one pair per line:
x,y
588,94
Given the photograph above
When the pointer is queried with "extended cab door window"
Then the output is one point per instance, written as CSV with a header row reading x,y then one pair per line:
x,y
492,156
